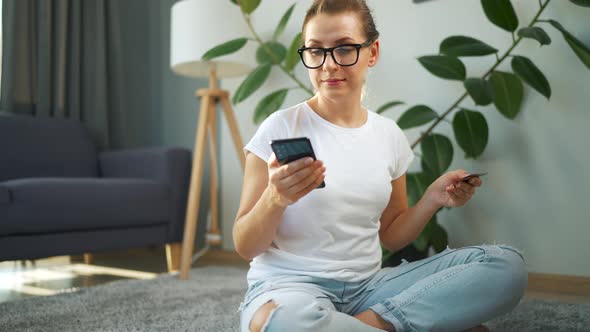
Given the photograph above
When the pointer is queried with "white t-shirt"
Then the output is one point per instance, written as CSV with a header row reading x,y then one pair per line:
x,y
333,232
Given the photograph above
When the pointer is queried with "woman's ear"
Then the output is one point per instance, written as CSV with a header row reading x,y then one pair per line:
x,y
374,53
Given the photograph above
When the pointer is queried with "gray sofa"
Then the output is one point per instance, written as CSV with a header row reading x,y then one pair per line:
x,y
60,196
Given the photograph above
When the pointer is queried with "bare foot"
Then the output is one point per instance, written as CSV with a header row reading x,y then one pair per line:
x,y
478,328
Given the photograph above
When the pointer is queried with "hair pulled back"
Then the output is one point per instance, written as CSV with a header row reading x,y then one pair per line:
x,y
332,7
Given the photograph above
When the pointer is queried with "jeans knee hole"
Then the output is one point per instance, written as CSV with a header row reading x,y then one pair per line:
x,y
262,316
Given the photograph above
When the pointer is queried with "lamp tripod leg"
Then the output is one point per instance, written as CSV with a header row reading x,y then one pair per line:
x,y
234,129
213,235
207,123
194,196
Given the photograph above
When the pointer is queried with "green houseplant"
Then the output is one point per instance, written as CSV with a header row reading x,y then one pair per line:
x,y
503,89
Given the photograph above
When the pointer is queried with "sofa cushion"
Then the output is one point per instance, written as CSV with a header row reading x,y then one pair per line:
x,y
45,205
4,195
43,147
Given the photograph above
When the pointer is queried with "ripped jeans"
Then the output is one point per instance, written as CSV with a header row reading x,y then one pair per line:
x,y
451,291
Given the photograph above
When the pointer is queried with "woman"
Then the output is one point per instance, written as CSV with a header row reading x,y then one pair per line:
x,y
316,252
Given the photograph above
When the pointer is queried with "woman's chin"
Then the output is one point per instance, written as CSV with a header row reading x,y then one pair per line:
x,y
335,92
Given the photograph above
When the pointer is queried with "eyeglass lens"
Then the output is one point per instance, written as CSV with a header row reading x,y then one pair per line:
x,y
344,55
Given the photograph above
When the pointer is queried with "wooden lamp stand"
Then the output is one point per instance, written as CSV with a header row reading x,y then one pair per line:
x,y
207,123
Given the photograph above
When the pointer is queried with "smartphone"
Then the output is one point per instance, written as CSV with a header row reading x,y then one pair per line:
x,y
474,175
291,149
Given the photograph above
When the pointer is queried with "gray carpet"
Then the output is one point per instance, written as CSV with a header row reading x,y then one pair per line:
x,y
208,302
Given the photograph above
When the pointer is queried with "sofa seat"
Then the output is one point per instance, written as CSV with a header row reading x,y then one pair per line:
x,y
48,205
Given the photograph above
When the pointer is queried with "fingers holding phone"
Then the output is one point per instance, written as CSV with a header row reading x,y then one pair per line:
x,y
301,179
293,180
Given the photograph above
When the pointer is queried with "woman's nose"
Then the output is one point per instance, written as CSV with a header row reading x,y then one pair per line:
x,y
330,64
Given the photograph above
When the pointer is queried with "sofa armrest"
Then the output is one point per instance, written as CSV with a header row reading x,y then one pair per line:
x,y
5,195
158,164
167,165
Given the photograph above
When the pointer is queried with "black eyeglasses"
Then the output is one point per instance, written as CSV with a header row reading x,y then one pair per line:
x,y
344,55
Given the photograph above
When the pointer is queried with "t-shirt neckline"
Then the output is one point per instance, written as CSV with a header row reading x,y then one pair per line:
x,y
335,126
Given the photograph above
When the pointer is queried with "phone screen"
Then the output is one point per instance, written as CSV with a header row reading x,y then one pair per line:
x,y
291,149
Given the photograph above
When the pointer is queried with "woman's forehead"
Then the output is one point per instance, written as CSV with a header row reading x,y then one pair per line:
x,y
337,28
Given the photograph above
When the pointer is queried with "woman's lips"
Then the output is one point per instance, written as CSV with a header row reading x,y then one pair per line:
x,y
333,81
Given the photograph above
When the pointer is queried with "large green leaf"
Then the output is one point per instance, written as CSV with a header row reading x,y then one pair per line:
x,y
528,72
535,33
444,66
283,23
226,48
581,50
508,93
480,90
501,13
416,184
471,132
416,116
437,153
421,242
271,52
248,6
465,46
583,3
439,239
388,105
269,105
292,57
251,83
430,175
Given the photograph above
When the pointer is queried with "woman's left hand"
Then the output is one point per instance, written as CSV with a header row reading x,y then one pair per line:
x,y
448,190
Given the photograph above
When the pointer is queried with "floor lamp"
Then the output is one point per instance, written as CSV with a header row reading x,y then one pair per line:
x,y
196,28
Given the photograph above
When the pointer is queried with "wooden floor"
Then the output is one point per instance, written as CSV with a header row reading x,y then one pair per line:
x,y
67,274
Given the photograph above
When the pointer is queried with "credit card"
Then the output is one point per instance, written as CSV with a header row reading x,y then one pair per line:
x,y
474,175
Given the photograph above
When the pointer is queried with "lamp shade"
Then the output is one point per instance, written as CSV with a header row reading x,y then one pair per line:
x,y
199,25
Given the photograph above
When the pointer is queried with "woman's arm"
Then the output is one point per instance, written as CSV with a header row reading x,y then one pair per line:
x,y
401,225
267,190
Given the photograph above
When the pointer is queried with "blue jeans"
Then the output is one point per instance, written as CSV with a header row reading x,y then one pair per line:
x,y
451,291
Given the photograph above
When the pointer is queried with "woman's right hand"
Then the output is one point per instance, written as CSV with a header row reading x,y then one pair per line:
x,y
289,182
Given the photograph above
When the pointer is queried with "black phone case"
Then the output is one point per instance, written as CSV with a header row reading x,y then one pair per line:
x,y
291,149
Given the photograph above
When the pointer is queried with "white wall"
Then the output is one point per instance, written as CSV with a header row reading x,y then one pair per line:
x,y
535,196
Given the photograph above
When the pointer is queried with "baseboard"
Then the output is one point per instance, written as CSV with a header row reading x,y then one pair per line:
x,y
556,283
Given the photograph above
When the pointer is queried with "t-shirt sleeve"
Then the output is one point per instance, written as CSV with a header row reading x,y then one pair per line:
x,y
271,128
404,154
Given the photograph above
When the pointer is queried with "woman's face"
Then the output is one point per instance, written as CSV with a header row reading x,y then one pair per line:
x,y
332,80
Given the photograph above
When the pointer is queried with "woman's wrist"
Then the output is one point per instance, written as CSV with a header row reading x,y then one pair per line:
x,y
431,201
274,199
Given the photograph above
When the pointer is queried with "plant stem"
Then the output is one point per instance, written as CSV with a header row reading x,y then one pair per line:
x,y
269,51
498,62
440,118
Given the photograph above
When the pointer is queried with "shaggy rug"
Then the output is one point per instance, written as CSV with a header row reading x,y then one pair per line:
x,y
209,302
